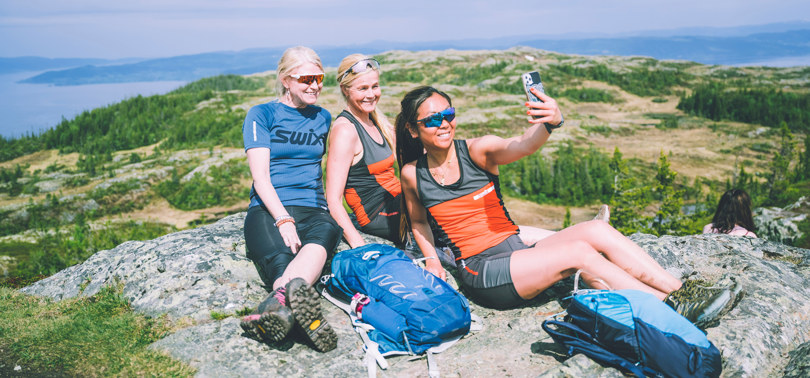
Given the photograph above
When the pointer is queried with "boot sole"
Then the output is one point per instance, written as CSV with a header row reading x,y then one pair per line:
x,y
305,304
270,326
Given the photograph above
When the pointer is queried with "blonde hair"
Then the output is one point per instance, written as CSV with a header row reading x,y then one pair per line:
x,y
386,128
293,58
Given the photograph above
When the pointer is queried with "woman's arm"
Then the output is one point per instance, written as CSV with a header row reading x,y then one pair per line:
x,y
343,145
419,225
491,151
259,163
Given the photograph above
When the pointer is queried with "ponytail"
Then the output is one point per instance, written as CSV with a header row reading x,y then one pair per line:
x,y
410,148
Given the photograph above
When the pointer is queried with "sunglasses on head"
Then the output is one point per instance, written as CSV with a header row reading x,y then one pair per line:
x,y
360,67
308,78
435,119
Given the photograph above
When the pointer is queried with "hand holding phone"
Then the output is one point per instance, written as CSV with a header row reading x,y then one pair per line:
x,y
532,80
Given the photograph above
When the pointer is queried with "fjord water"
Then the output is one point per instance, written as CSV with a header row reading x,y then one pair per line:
x,y
34,108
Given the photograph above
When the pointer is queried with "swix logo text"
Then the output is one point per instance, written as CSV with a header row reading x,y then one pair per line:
x,y
298,137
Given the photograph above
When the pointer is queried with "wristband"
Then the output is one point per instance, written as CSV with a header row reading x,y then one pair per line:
x,y
549,127
283,219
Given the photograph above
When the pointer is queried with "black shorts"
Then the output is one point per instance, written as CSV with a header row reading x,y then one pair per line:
x,y
266,248
487,278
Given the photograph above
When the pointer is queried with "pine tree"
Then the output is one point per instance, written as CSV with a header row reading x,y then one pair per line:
x,y
780,175
803,168
630,198
668,218
567,219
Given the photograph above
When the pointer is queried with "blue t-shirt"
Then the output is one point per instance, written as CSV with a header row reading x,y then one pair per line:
x,y
297,141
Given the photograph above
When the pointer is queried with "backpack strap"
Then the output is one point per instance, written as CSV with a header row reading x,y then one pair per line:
x,y
373,356
578,341
433,366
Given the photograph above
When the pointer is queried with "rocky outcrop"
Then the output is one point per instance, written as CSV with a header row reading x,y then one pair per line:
x,y
192,273
781,224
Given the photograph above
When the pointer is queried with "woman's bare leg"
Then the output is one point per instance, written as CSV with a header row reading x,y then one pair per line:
x,y
307,264
535,269
619,250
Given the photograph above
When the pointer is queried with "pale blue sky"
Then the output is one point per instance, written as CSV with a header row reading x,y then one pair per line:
x,y
158,28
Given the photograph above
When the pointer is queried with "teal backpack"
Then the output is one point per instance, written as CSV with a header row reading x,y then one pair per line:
x,y
636,332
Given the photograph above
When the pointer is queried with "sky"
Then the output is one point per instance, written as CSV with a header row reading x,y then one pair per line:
x,y
113,29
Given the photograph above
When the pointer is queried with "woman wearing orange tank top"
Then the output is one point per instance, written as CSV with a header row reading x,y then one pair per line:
x,y
451,190
360,162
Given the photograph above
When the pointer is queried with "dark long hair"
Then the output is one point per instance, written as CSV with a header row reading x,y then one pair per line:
x,y
734,209
408,147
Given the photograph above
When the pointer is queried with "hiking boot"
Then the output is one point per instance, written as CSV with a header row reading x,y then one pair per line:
x,y
306,309
702,304
272,319
603,214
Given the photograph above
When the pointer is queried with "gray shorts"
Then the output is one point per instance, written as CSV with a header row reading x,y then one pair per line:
x,y
487,278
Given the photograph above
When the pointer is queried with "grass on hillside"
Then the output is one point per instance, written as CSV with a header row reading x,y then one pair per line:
x,y
91,336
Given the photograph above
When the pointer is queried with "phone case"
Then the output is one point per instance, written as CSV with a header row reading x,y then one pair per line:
x,y
532,80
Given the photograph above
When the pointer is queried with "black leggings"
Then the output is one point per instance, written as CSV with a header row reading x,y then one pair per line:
x,y
384,224
266,248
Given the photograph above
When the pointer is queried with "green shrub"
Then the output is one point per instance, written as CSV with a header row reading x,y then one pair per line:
x,y
56,251
221,186
589,95
762,147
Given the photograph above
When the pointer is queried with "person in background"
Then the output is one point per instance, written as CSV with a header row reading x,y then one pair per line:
x,y
733,215
451,190
288,230
360,162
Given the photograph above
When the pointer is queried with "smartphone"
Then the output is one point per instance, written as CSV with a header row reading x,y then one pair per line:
x,y
532,80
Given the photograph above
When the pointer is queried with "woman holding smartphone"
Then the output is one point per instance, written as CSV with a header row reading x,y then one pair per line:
x,y
288,231
451,190
360,163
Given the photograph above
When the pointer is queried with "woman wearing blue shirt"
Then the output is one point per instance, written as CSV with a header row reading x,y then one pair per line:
x,y
288,229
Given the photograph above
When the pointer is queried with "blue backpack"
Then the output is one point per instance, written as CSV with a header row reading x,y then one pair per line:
x,y
396,306
634,331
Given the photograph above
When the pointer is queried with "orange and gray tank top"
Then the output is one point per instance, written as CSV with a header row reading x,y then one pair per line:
x,y
371,183
469,215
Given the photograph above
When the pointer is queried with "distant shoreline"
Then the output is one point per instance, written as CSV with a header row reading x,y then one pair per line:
x,y
791,61
35,108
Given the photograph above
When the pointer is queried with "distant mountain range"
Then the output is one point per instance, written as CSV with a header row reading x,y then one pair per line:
x,y
725,46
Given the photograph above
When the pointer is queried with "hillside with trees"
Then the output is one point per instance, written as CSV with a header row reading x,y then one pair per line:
x,y
657,140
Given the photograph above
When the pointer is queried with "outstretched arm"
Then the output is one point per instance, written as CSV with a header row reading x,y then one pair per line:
x,y
491,151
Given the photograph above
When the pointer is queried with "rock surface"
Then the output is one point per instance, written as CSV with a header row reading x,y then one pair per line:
x,y
781,224
190,274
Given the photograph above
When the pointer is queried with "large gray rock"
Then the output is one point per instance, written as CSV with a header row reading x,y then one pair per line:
x,y
781,224
191,273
